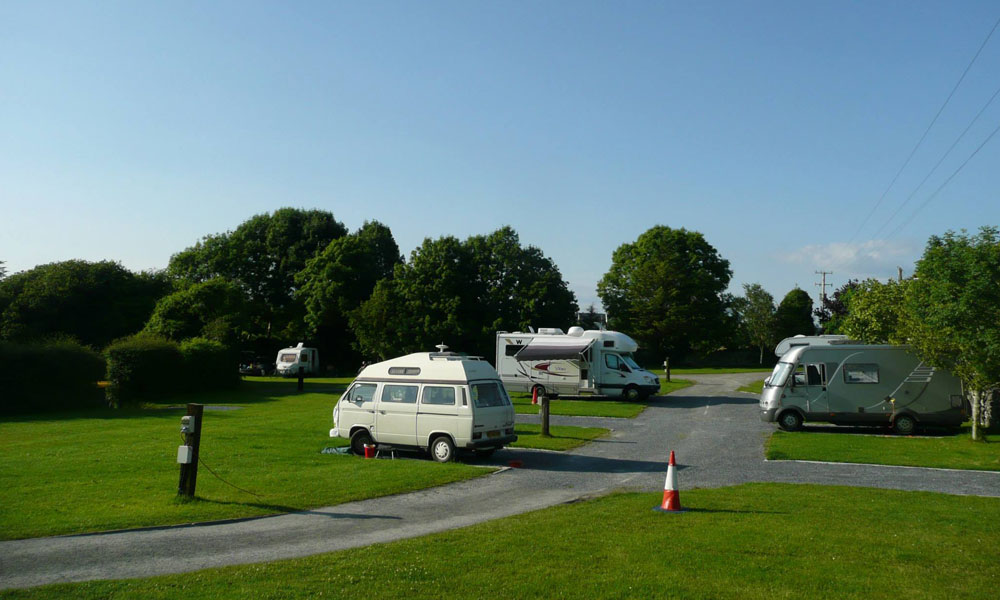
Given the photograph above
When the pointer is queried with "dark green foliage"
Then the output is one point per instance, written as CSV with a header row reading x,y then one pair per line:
x,y
215,309
666,290
262,256
143,367
461,293
874,312
58,374
91,302
833,308
794,315
209,365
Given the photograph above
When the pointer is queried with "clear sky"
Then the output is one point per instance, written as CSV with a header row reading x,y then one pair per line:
x,y
129,130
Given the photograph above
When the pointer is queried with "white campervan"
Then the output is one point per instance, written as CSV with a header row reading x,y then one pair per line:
x,y
578,362
291,360
437,401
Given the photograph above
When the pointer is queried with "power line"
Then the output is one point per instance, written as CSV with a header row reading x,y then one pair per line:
x,y
941,187
941,160
926,131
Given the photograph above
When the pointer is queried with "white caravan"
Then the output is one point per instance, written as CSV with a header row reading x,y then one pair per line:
x,y
291,360
858,384
573,363
437,401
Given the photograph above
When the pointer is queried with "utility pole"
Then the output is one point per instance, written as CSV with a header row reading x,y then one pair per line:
x,y
900,269
822,292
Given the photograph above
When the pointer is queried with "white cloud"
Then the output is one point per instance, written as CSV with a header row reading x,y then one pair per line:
x,y
857,260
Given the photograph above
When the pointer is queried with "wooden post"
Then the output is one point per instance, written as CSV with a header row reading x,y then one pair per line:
x,y
544,410
302,378
189,472
666,366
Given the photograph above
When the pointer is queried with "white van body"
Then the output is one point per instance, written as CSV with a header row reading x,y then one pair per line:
x,y
290,360
439,401
578,362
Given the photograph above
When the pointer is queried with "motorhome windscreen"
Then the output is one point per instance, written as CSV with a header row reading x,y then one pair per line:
x,y
630,362
780,374
288,357
487,394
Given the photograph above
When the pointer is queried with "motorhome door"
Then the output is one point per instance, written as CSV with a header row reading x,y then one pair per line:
x,y
815,388
614,372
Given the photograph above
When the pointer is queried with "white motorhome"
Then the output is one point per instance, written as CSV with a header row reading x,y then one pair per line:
x,y
859,384
436,401
291,360
573,363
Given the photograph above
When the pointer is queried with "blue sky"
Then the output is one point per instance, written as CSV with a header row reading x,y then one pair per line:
x,y
129,130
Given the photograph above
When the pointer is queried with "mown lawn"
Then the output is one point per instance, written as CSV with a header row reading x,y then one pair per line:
x,y
99,470
750,541
754,388
949,451
595,407
563,437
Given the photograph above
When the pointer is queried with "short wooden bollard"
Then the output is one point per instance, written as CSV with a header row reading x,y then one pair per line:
x,y
192,439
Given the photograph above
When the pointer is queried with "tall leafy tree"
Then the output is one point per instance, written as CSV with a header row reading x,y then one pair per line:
x,y
3,270
91,302
215,309
263,256
794,315
952,313
666,290
874,312
759,316
833,308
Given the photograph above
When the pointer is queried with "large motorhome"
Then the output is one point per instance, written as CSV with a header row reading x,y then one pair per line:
x,y
859,384
436,401
573,363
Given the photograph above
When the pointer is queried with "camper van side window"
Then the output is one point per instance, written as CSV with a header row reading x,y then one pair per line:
x,y
612,361
609,343
402,394
859,373
512,349
444,396
363,392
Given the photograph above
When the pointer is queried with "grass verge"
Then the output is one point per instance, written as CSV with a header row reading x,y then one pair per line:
x,y
956,451
754,388
750,541
595,407
563,437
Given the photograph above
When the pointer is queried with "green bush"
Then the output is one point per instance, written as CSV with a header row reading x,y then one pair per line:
x,y
143,367
54,375
209,365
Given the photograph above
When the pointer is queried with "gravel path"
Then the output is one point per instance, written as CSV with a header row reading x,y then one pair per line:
x,y
715,432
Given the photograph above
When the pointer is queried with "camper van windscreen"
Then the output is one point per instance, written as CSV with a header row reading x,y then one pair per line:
x,y
780,374
627,358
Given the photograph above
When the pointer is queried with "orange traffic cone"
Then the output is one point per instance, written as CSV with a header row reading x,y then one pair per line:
x,y
671,496
534,395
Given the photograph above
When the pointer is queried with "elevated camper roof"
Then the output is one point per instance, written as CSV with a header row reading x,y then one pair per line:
x,y
436,366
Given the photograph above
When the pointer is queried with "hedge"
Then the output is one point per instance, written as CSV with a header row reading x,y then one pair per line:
x,y
46,376
209,365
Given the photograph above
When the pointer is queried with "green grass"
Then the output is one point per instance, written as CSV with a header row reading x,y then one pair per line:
x,y
595,407
754,388
563,437
956,451
751,541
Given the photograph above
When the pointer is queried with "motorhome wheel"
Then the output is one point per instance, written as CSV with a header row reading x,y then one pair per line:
x,y
904,424
358,441
790,420
442,450
631,393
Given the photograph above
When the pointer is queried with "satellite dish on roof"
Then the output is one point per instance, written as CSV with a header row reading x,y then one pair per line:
x,y
441,347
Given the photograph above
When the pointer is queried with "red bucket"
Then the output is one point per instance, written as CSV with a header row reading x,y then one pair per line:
x,y
369,450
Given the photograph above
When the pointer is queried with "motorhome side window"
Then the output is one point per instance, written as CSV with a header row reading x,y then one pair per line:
x,y
858,373
401,394
438,395
487,394
362,392
612,361
512,349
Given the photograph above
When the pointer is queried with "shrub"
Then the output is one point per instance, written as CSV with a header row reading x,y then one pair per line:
x,y
53,375
143,367
209,365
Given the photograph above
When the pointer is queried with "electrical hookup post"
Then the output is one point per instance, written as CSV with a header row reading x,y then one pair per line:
x,y
187,455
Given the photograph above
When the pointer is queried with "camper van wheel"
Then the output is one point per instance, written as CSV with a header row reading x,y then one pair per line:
x,y
631,393
790,420
442,450
904,424
359,440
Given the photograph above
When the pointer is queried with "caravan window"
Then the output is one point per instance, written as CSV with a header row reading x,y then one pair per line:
x,y
288,357
442,396
402,394
858,373
512,349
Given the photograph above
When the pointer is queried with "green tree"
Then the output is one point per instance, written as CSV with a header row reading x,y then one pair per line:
x,y
758,316
874,310
3,270
215,309
666,290
952,313
263,256
833,308
461,293
91,302
794,315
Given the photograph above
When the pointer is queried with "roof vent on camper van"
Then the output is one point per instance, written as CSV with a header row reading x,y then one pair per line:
x,y
575,331
550,331
299,345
